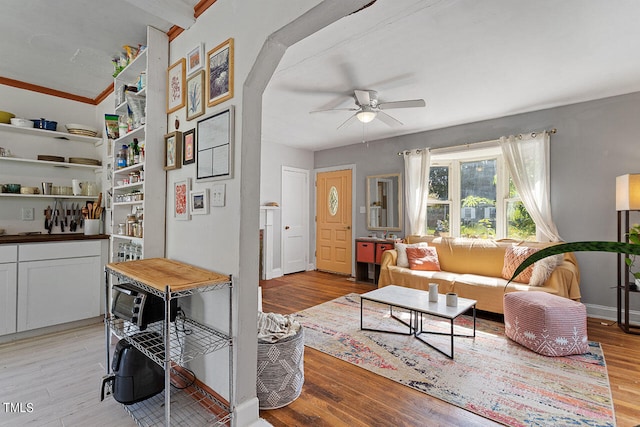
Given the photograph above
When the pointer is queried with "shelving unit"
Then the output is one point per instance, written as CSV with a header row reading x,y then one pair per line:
x,y
169,279
153,62
624,291
26,144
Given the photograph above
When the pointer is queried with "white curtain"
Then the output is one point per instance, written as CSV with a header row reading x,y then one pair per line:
x,y
527,157
416,189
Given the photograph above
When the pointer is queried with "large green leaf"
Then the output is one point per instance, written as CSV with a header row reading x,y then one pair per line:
x,y
617,247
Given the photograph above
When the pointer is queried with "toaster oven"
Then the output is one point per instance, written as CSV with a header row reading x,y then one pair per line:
x,y
138,306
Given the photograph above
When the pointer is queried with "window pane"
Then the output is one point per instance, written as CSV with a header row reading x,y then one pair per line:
x,y
519,223
438,219
438,183
478,199
513,192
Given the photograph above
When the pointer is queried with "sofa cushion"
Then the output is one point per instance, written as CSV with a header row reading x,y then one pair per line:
x,y
403,261
423,259
513,257
542,269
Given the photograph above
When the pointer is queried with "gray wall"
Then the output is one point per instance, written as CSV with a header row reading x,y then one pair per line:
x,y
596,141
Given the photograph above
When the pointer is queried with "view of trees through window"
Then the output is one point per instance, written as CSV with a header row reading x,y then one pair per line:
x,y
477,204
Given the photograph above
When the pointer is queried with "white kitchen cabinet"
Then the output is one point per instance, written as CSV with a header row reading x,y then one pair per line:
x,y
58,283
153,62
8,288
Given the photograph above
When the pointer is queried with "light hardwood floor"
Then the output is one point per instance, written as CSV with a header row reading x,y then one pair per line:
x,y
336,393
59,374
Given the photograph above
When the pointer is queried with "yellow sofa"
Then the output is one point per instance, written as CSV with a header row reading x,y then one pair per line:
x,y
472,268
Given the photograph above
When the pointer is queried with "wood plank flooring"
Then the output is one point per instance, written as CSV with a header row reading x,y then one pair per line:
x,y
59,374
337,393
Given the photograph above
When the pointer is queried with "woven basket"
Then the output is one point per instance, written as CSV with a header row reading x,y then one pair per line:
x,y
280,371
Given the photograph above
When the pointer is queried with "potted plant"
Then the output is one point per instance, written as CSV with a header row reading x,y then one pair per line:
x,y
634,238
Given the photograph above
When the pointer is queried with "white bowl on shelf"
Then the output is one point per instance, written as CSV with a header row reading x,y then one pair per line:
x,y
23,123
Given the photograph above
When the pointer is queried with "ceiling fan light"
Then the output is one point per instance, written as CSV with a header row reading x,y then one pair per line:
x,y
366,116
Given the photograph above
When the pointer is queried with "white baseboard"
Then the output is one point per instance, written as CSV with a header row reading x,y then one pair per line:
x,y
246,413
610,313
276,272
311,267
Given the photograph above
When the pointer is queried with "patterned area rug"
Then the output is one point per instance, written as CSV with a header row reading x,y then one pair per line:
x,y
491,375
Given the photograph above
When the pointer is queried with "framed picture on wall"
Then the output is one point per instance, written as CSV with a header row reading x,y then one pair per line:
x,y
172,150
199,202
220,73
214,154
195,95
181,192
189,147
175,86
195,59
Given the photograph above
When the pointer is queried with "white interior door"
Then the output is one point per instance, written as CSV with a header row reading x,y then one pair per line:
x,y
295,216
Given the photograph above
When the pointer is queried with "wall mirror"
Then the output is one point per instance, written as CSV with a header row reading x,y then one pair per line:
x,y
384,202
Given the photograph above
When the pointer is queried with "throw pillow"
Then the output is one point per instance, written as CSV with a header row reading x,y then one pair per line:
x,y
403,261
425,259
513,257
542,269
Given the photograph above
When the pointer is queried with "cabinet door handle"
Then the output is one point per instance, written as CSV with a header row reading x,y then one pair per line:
x,y
348,227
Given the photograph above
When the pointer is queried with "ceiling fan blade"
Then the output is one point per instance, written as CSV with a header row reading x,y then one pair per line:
x,y
363,97
402,104
348,121
334,109
388,120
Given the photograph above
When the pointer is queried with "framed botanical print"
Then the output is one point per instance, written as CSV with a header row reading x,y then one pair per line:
x,y
181,192
172,150
189,147
195,95
220,73
175,86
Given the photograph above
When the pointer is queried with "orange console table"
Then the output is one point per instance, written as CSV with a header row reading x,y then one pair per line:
x,y
368,252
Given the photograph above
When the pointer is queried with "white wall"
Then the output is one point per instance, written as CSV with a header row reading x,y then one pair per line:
x,y
596,141
274,157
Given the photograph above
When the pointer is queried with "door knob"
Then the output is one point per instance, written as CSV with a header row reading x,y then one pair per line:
x,y
348,227
286,227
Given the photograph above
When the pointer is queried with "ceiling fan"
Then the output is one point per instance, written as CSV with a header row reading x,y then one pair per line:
x,y
369,107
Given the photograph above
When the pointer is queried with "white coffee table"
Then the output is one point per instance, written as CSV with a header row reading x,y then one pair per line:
x,y
418,304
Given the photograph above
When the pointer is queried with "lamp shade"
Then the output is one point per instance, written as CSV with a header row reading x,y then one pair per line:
x,y
628,192
365,116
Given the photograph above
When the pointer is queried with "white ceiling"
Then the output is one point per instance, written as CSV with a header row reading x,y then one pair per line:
x,y
470,60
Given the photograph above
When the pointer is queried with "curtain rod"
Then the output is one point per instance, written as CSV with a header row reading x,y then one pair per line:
x,y
473,144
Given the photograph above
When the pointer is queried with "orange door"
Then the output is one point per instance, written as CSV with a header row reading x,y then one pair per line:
x,y
333,221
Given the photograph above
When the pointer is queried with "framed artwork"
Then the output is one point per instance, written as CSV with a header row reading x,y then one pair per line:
x,y
199,202
195,95
214,154
195,59
189,147
172,150
175,86
181,192
220,73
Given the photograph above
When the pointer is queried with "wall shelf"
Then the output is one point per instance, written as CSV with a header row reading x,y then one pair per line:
x,y
50,133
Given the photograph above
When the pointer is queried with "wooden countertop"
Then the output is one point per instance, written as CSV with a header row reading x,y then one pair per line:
x,y
41,238
160,272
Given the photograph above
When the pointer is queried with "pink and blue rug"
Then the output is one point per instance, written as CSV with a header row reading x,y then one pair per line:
x,y
491,375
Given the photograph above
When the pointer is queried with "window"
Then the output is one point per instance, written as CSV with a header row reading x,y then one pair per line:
x,y
471,195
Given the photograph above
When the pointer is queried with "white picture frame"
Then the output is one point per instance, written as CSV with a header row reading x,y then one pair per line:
x,y
199,202
195,59
182,195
